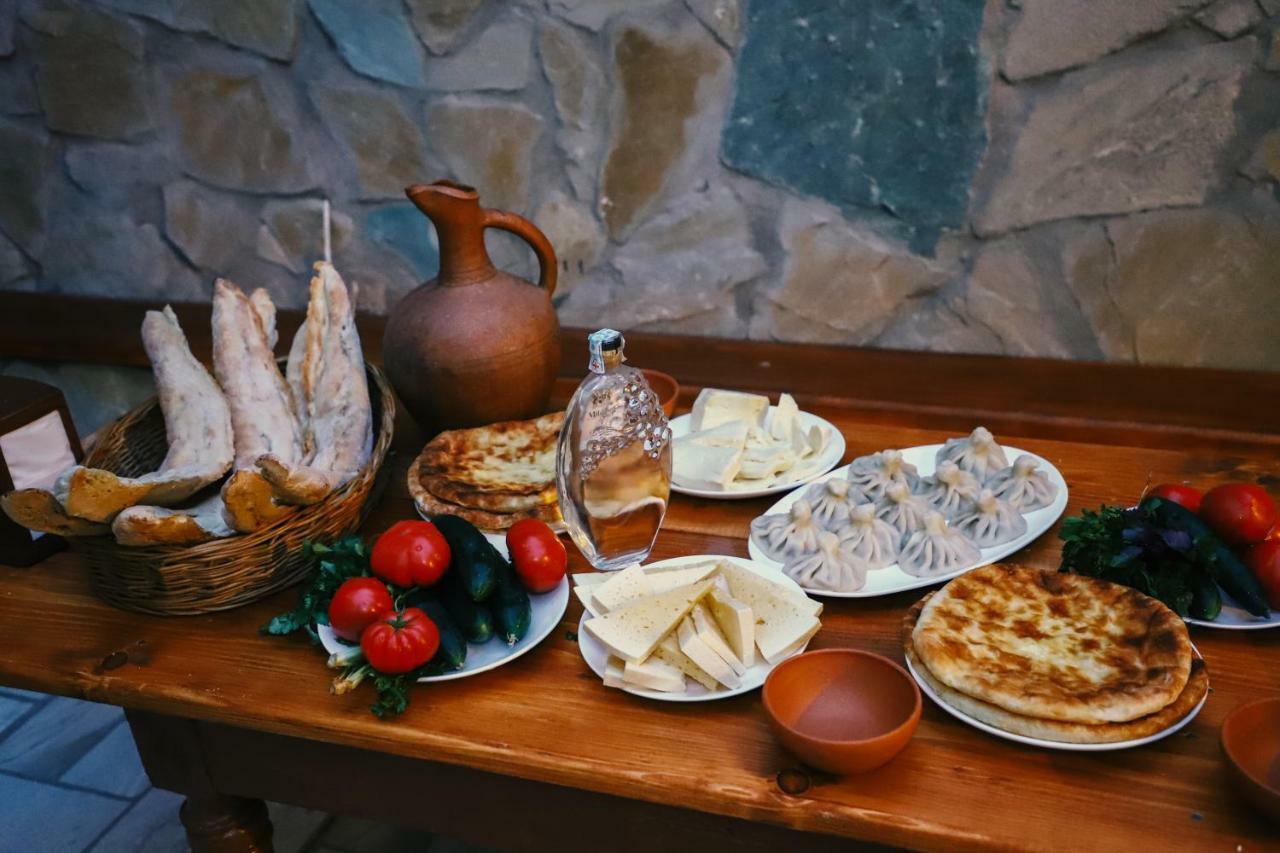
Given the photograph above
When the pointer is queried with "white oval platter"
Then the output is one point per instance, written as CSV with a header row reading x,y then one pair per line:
x,y
597,656
806,473
892,579
547,609
1053,744
1235,618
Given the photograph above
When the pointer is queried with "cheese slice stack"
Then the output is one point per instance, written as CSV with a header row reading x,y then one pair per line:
x,y
706,623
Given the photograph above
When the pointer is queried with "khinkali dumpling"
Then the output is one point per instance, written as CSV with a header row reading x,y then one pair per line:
x,y
902,510
831,501
951,490
830,567
873,474
976,453
788,534
1024,485
936,549
870,539
991,522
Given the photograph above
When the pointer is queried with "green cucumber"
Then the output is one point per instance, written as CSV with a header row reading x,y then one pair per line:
x,y
452,654
472,618
1222,565
474,560
1206,601
511,608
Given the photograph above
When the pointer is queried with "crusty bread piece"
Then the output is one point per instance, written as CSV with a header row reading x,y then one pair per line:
x,y
430,505
140,526
1054,646
37,509
197,425
508,459
249,502
1056,730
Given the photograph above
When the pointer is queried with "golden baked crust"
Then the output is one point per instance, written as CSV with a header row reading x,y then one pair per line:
x,y
1054,646
1055,730
430,505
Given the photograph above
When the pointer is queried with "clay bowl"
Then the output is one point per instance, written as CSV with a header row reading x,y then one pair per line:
x,y
665,386
842,710
1251,742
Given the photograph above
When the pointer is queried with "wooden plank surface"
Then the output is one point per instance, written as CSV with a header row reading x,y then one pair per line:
x,y
1092,402
547,718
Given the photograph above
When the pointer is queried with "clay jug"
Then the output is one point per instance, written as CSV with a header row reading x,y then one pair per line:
x,y
474,345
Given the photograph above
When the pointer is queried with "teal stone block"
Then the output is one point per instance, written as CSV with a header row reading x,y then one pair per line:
x,y
874,105
374,37
405,230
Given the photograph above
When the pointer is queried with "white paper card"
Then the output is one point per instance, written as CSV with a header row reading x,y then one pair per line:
x,y
36,453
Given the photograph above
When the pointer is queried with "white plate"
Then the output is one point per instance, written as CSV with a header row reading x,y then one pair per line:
x,y
597,656
1235,618
892,579
547,611
1054,744
812,469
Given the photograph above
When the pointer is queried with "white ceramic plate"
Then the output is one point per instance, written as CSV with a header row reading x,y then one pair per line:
x,y
812,469
892,579
547,609
597,656
1235,618
1053,744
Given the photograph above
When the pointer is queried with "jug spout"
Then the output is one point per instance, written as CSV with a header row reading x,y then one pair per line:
x,y
454,209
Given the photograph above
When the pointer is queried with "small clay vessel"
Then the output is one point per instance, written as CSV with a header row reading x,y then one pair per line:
x,y
474,345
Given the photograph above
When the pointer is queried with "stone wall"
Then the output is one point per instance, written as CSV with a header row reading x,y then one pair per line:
x,y
1072,178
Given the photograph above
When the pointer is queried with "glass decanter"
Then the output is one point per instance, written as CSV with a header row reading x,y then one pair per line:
x,y
613,468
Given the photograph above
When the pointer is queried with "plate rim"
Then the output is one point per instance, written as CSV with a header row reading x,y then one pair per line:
x,y
528,642
686,697
837,439
1063,746
999,551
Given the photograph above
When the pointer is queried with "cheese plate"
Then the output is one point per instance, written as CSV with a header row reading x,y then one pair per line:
x,y
892,579
960,715
808,470
546,611
596,654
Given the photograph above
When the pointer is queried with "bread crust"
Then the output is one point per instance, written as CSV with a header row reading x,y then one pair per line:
x,y
37,509
1054,646
430,505
509,459
1056,730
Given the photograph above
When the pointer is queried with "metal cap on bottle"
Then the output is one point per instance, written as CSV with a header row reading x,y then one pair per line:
x,y
601,342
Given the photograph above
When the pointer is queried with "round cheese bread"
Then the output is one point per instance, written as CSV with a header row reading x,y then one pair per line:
x,y
1056,730
1054,646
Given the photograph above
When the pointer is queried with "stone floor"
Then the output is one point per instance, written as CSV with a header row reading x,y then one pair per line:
x,y
70,780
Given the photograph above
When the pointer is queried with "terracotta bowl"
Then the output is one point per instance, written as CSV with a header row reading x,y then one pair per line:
x,y
842,710
665,386
1251,741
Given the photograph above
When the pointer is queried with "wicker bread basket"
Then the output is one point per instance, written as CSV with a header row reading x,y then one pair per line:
x,y
185,580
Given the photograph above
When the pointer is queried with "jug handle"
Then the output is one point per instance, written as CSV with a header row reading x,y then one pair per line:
x,y
527,231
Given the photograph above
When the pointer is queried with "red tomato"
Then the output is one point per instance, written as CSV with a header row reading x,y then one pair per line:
x,y
1263,560
537,553
1241,513
400,642
1180,494
410,553
358,603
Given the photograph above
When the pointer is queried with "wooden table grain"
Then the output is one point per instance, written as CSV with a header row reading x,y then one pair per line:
x,y
538,754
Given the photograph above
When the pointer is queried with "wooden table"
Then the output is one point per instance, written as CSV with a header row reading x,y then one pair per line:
x,y
538,754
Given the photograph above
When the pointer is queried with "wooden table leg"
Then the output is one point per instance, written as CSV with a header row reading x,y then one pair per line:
x,y
173,754
219,824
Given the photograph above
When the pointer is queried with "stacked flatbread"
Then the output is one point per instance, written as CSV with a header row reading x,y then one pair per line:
x,y
287,442
493,476
1055,656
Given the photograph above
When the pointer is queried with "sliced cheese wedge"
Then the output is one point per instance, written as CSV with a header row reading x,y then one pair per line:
x,y
632,632
588,602
614,670
654,674
707,468
715,406
710,634
634,583
590,578
783,617
702,654
736,621
669,650
798,645
784,418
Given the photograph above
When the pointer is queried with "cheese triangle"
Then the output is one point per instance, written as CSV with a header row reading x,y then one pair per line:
x,y
710,634
737,623
632,632
633,583
783,617
588,603
669,650
703,655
